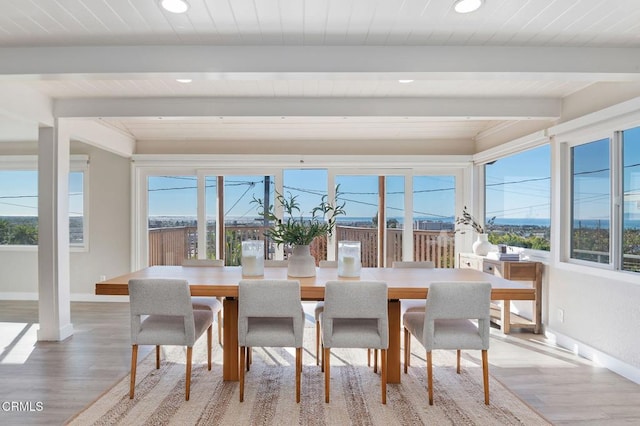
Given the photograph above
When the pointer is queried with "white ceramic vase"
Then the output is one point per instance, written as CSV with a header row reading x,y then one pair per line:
x,y
482,245
301,263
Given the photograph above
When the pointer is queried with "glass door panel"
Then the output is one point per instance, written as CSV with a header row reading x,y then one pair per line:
x,y
360,194
172,219
433,219
394,216
242,220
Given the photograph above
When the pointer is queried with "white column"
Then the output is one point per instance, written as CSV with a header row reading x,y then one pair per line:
x,y
53,235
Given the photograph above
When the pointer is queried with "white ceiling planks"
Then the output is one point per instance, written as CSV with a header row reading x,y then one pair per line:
x,y
505,53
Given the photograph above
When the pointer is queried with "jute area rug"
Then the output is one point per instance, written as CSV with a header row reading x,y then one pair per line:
x,y
270,393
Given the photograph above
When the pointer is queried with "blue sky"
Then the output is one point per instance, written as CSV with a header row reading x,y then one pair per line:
x,y
517,187
19,193
175,196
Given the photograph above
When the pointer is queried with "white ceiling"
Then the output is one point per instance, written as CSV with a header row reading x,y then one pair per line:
x,y
60,48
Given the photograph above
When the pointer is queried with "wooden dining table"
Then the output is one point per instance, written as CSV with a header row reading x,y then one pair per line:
x,y
403,283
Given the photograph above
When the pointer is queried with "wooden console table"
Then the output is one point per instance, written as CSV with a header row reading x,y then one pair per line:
x,y
515,271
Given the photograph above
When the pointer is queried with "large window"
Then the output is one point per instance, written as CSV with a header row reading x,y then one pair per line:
x,y
590,201
309,186
434,204
394,215
417,226
172,219
360,195
631,200
242,220
19,204
518,200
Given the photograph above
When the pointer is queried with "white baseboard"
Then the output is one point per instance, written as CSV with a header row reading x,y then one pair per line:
x,y
75,297
600,358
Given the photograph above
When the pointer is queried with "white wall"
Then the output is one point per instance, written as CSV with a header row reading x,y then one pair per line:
x,y
109,251
601,317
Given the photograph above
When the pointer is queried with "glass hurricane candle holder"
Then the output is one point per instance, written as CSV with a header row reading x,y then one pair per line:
x,y
252,260
349,264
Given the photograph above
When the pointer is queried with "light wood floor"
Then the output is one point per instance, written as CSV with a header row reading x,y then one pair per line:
x,y
68,375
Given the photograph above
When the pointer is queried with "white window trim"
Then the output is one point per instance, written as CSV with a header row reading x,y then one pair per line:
x,y
606,123
508,149
147,165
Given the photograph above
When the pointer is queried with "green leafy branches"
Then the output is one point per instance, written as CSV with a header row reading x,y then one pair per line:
x,y
294,228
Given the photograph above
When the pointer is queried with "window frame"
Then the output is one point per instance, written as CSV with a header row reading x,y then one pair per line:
x,y
608,123
144,165
77,163
514,147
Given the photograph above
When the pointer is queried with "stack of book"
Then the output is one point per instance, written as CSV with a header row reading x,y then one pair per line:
x,y
503,256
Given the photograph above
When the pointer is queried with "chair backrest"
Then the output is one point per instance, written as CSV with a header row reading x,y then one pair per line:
x,y
271,263
328,264
269,299
458,300
356,300
418,264
203,262
158,296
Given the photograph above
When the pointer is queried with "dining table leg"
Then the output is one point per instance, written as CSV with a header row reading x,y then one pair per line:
x,y
230,341
393,354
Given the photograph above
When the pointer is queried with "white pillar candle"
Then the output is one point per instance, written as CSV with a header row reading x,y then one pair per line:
x,y
251,266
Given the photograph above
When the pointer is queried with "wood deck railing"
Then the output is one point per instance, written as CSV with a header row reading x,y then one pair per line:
x,y
170,246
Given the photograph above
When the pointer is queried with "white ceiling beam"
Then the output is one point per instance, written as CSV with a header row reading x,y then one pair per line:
x,y
25,105
437,108
97,134
322,62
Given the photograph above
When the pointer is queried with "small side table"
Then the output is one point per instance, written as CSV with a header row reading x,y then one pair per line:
x,y
511,270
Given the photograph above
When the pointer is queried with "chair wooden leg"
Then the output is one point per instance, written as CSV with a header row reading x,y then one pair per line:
x,y
157,357
298,372
134,363
375,360
485,375
368,357
407,344
327,374
383,374
406,350
241,372
248,363
220,328
188,375
322,358
458,361
209,342
317,342
430,377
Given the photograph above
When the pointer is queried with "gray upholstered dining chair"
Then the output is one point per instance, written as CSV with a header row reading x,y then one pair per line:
x,y
355,316
214,304
412,305
270,314
456,317
318,310
161,314
320,307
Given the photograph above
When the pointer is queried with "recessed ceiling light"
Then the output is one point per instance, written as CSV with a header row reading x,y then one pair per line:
x,y
184,80
175,6
466,6
405,81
